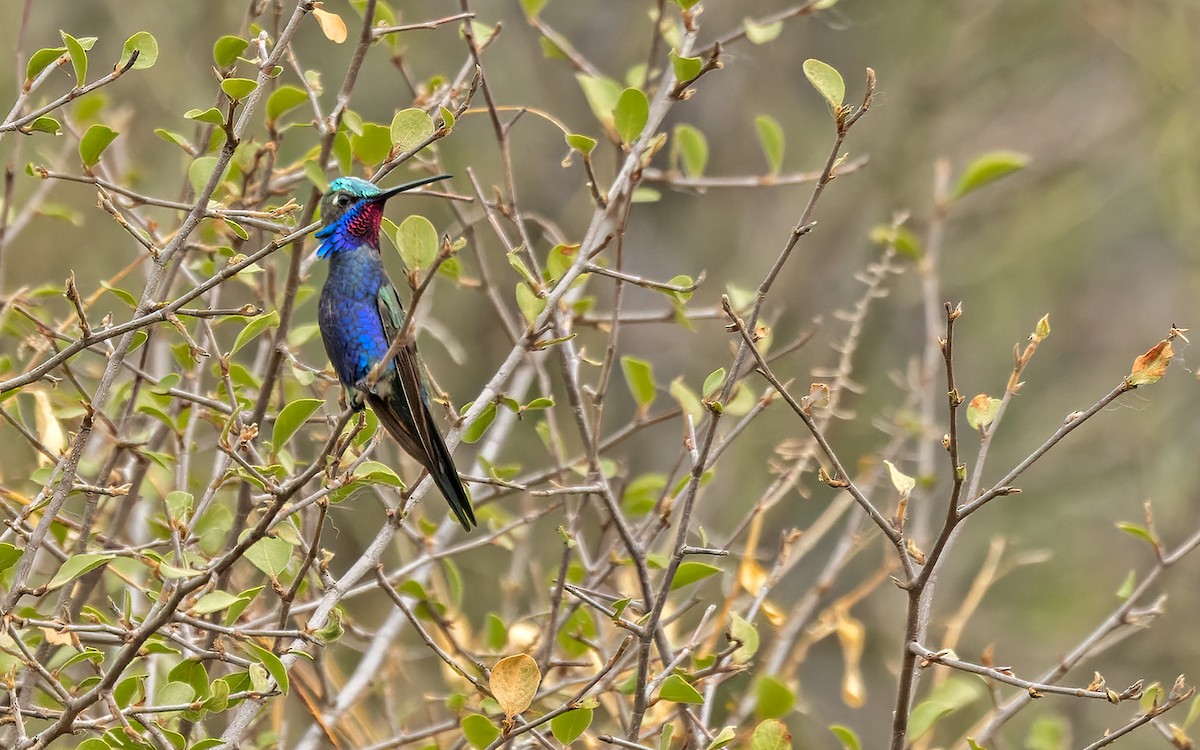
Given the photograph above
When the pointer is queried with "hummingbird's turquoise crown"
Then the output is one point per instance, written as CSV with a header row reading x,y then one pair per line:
x,y
355,186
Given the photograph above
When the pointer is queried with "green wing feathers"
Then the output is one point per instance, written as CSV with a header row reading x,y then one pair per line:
x,y
403,410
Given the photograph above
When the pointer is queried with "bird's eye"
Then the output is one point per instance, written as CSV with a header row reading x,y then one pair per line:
x,y
343,200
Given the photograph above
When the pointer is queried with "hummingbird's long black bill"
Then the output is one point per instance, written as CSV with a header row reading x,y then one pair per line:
x,y
409,186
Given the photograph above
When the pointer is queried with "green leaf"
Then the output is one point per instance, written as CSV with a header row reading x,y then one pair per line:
x,y
530,304
226,50
771,734
532,8
1049,732
642,493
410,128
580,143
687,399
714,381
723,738
212,116
93,743
93,143
480,425
270,555
78,55
602,94
174,693
179,504
946,698
417,240
373,145
214,601
145,45
76,566
773,698
630,114
44,124
686,4
291,418
175,138
761,33
690,571
238,88
283,100
677,690
1126,589
664,739
479,731
1138,532
639,375
745,632
686,68
988,168
374,472
846,736
691,148
827,81
770,138
568,726
272,663
39,61
495,632
8,556
200,172
254,328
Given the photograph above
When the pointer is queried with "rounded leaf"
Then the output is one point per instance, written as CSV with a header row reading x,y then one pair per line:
x,y
284,99
291,418
410,128
827,81
417,240
514,682
146,47
567,727
238,88
226,50
630,114
93,143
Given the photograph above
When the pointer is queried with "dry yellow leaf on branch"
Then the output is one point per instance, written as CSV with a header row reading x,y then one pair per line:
x,y
332,25
514,682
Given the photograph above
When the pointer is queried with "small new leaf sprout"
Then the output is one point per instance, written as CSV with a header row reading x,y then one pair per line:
x,y
981,410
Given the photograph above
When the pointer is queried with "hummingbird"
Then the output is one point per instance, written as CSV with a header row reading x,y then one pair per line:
x,y
360,315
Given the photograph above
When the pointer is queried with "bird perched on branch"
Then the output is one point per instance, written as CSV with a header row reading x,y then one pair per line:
x,y
361,315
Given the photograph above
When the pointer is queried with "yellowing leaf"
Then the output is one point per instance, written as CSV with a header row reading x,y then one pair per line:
x,y
332,25
514,682
1150,367
981,410
771,734
48,429
903,483
851,634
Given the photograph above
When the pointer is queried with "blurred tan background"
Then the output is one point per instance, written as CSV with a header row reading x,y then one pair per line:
x,y
1099,231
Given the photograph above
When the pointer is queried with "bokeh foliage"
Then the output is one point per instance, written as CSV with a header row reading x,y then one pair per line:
x,y
205,523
